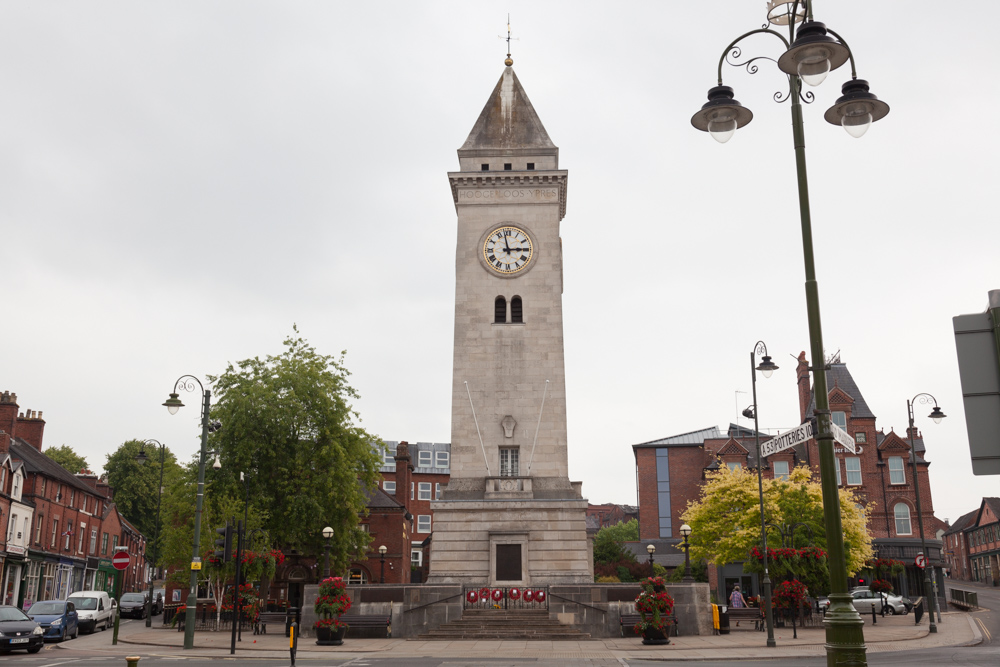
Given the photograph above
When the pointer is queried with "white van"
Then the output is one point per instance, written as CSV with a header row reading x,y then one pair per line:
x,y
95,609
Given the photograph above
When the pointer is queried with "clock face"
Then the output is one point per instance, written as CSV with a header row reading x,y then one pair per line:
x,y
508,250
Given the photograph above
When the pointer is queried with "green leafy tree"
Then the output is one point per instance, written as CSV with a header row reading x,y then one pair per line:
x,y
725,519
609,542
67,458
136,485
288,424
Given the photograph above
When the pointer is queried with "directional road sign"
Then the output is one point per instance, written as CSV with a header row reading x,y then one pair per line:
x,y
121,560
841,436
783,441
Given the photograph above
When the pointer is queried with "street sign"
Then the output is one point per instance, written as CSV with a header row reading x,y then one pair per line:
x,y
121,560
783,441
196,565
920,561
841,436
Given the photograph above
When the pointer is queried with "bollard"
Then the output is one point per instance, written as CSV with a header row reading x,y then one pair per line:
x,y
132,660
874,621
292,640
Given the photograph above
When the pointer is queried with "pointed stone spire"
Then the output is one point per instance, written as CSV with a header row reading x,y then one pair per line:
x,y
508,121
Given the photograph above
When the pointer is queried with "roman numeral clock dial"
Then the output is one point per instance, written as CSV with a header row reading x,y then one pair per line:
x,y
508,250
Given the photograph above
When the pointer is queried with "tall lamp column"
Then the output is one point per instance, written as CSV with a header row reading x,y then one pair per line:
x,y
173,404
651,549
141,458
810,53
937,416
327,535
766,367
381,551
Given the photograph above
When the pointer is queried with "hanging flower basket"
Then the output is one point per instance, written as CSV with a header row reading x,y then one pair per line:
x,y
881,586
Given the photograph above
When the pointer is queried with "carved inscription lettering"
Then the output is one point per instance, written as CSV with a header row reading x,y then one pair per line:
x,y
508,194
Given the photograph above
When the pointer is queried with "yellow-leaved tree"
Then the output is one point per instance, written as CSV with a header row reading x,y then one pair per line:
x,y
725,519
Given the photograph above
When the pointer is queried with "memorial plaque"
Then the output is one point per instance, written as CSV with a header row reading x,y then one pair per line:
x,y
508,565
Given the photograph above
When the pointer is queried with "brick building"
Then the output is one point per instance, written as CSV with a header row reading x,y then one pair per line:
x,y
982,539
670,472
66,525
611,514
956,554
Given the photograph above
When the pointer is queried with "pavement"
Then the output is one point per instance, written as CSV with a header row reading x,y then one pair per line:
x,y
893,633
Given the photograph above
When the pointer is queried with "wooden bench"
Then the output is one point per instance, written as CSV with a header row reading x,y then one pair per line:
x,y
737,614
629,621
368,622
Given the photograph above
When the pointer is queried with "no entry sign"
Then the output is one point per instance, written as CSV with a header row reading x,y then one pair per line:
x,y
121,560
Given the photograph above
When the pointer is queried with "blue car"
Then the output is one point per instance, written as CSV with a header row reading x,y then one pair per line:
x,y
58,618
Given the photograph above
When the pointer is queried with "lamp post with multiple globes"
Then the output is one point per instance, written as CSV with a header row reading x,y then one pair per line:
x,y
811,51
141,459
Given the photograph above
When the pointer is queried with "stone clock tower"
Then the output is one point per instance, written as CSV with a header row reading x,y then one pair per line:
x,y
509,515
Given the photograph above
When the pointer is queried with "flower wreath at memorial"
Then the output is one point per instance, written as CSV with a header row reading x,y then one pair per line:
x,y
654,605
514,594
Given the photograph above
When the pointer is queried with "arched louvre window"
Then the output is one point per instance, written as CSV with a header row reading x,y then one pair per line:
x,y
902,512
500,310
516,314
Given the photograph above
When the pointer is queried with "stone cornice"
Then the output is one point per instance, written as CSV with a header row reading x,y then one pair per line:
x,y
510,179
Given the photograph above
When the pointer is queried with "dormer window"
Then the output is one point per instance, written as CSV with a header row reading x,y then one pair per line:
x,y
15,492
840,419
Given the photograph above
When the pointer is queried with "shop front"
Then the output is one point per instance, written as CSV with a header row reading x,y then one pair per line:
x,y
13,574
105,579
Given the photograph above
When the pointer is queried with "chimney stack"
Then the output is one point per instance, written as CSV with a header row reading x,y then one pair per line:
x,y
31,428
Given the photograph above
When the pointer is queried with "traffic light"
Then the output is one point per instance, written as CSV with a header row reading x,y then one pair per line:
x,y
224,545
862,581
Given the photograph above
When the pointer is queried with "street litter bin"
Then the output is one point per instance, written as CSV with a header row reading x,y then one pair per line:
x,y
723,620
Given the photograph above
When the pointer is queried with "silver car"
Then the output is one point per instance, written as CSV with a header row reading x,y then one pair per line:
x,y
865,601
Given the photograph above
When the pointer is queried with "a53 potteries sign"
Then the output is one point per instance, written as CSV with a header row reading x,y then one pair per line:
x,y
783,441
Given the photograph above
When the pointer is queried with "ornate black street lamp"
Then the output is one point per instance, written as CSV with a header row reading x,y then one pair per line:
x,y
327,535
651,549
810,52
381,550
686,532
173,404
766,367
141,459
937,416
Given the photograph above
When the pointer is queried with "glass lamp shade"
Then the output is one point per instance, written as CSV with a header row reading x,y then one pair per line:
x,y
856,109
813,54
686,530
217,464
173,404
382,549
767,366
651,548
814,67
141,457
937,415
721,116
328,532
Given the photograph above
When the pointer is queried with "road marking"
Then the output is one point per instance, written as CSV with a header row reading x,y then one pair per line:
x,y
982,626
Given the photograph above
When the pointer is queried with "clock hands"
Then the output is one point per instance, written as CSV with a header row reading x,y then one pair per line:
x,y
506,245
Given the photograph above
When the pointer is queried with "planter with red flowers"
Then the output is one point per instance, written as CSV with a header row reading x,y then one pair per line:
x,y
654,605
331,604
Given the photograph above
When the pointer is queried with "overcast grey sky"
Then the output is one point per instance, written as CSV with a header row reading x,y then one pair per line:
x,y
180,182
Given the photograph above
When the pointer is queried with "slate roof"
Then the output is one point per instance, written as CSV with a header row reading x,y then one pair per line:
x,y
37,462
379,499
691,438
839,376
667,552
962,522
508,120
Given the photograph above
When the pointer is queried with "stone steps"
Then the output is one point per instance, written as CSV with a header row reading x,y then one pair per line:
x,y
531,624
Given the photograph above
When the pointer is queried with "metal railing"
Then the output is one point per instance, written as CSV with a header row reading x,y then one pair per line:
x,y
968,599
505,597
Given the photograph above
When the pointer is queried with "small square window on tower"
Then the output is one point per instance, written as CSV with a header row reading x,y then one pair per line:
x,y
484,167
507,166
531,166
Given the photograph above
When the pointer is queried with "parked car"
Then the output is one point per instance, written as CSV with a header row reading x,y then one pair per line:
x,y
95,610
865,600
58,619
133,605
18,632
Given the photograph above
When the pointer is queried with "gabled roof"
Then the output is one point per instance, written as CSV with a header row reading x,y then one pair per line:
x,y
839,376
733,448
691,438
37,462
508,120
993,504
379,499
893,441
962,522
918,443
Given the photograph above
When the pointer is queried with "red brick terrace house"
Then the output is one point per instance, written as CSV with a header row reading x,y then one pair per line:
x,y
69,542
982,536
611,514
956,552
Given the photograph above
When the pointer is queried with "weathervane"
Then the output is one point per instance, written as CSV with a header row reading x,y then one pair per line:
x,y
508,62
